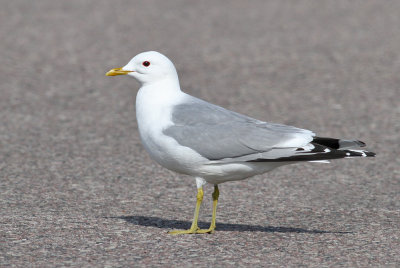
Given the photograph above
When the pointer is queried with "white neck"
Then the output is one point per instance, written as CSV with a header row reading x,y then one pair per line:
x,y
162,92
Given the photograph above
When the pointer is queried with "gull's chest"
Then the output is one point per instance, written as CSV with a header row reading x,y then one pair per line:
x,y
154,115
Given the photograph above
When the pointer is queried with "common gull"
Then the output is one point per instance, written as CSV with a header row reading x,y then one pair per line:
x,y
191,136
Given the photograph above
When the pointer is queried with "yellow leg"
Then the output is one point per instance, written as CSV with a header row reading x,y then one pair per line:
x,y
194,228
215,196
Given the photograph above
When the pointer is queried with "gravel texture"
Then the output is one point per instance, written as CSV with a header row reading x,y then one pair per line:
x,y
78,189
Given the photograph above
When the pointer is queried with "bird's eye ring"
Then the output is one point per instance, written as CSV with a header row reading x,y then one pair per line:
x,y
146,63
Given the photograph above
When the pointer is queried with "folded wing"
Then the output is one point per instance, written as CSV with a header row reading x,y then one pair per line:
x,y
217,133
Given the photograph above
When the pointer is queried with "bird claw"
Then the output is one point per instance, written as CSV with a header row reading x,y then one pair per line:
x,y
192,231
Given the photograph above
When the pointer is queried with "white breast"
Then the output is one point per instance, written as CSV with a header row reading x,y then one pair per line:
x,y
153,112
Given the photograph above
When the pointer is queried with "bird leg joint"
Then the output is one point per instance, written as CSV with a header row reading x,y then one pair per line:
x,y
200,195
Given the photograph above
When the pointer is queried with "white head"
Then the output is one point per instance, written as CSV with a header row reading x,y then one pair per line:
x,y
148,67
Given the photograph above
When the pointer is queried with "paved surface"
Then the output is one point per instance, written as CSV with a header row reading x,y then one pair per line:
x,y
78,189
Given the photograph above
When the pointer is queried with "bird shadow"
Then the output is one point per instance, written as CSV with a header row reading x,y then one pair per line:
x,y
178,224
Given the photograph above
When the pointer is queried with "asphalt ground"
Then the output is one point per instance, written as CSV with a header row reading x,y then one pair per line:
x,y
78,189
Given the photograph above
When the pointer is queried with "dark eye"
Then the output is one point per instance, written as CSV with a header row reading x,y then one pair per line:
x,y
146,63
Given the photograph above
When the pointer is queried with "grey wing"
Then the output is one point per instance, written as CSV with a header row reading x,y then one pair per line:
x,y
217,133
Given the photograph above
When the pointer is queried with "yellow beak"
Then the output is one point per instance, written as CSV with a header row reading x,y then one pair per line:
x,y
117,71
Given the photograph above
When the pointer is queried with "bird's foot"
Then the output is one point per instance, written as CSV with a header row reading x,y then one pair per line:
x,y
206,231
193,231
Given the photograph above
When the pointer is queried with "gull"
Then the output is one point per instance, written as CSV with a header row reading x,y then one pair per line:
x,y
215,145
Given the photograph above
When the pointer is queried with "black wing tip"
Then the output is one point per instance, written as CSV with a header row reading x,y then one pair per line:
x,y
319,153
356,153
370,154
360,143
338,143
328,142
